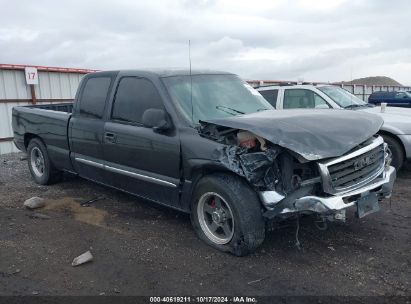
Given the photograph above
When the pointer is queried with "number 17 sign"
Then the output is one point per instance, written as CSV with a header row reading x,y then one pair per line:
x,y
31,75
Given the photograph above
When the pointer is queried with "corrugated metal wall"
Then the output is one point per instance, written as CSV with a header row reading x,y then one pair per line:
x,y
57,85
53,86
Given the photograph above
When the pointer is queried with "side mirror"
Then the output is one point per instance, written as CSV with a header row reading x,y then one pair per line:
x,y
156,119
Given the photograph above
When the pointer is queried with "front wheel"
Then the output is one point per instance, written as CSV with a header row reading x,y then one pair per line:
x,y
40,166
226,214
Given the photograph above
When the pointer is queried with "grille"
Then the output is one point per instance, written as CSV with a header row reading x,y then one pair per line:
x,y
354,172
350,172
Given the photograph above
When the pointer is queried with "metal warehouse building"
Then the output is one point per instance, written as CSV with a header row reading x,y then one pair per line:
x,y
25,85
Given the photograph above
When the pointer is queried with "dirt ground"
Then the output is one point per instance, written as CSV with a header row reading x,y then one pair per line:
x,y
143,249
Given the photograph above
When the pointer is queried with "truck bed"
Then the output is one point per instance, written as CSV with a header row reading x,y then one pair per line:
x,y
59,107
50,123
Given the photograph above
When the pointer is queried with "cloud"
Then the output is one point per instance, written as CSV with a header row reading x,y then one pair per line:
x,y
318,40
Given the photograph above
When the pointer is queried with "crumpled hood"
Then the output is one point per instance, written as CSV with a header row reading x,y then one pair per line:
x,y
314,134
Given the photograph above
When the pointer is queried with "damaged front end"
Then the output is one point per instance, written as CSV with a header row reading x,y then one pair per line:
x,y
289,184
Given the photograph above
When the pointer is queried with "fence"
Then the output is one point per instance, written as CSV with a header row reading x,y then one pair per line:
x,y
364,91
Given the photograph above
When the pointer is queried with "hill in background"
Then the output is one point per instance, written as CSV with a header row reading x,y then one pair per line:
x,y
375,80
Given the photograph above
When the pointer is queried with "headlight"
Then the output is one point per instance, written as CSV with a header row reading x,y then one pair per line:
x,y
387,155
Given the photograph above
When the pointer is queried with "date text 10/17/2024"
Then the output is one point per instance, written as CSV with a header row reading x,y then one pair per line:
x,y
203,299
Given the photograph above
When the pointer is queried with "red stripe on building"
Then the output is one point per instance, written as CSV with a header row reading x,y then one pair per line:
x,y
45,68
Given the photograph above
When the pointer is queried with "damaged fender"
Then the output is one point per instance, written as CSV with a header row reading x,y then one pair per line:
x,y
268,168
276,151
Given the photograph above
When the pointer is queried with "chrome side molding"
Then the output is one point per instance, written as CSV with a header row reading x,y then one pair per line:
x,y
140,176
126,172
89,162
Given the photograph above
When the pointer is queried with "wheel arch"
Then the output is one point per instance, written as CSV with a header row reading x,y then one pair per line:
x,y
395,137
197,173
29,136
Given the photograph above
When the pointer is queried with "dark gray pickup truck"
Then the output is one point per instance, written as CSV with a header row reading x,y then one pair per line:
x,y
209,144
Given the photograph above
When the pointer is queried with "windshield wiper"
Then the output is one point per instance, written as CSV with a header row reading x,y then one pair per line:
x,y
352,106
231,109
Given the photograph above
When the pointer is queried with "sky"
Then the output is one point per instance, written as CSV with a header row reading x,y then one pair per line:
x,y
313,40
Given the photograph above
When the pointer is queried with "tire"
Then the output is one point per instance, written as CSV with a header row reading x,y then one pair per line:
x,y
228,196
40,166
396,150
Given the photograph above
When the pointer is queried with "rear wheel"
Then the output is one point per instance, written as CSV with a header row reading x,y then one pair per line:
x,y
226,214
40,166
396,150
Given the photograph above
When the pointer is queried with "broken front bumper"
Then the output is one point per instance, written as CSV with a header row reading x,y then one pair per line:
x,y
381,187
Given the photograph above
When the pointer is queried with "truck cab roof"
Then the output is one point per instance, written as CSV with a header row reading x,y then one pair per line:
x,y
160,73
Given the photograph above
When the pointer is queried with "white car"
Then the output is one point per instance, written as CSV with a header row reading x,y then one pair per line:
x,y
396,129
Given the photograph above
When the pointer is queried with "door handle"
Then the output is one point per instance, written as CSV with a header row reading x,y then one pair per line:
x,y
110,137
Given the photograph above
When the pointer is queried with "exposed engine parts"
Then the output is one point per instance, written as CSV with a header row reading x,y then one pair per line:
x,y
290,183
265,166
259,168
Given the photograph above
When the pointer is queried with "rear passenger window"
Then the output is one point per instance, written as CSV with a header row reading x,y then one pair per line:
x,y
133,97
94,97
303,99
270,96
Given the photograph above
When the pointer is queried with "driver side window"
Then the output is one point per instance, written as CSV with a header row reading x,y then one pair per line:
x,y
303,99
134,96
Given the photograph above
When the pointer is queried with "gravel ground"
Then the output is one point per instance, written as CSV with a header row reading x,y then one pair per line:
x,y
143,249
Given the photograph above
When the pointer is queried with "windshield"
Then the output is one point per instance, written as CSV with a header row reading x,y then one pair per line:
x,y
214,96
342,97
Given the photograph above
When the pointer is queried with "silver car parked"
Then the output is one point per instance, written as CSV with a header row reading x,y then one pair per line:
x,y
396,129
